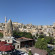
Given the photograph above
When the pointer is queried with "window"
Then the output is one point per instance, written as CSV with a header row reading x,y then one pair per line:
x,y
8,40
18,46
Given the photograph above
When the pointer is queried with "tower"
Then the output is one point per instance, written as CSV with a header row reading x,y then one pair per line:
x,y
8,31
5,22
5,19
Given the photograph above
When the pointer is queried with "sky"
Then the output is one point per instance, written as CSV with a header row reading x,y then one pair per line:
x,y
36,12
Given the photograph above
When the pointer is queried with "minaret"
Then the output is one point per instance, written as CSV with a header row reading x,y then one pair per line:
x,y
5,23
5,26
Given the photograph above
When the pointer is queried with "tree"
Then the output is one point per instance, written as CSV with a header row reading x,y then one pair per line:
x,y
37,34
1,34
49,40
15,34
41,36
51,52
27,35
41,44
22,34
30,53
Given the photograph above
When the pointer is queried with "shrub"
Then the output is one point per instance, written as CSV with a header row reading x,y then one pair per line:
x,y
1,35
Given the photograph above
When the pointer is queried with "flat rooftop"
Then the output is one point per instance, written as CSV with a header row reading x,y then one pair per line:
x,y
23,39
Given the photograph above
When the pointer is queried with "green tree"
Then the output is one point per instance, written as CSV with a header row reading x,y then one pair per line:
x,y
51,52
15,34
41,44
1,34
22,34
41,36
30,53
49,40
37,34
28,35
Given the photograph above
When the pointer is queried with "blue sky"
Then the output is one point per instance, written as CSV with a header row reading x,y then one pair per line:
x,y
37,12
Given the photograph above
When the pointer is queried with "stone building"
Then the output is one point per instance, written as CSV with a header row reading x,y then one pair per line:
x,y
23,42
8,31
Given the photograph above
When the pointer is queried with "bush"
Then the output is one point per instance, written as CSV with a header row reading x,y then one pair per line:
x,y
41,36
1,35
22,34
30,53
49,40
41,44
